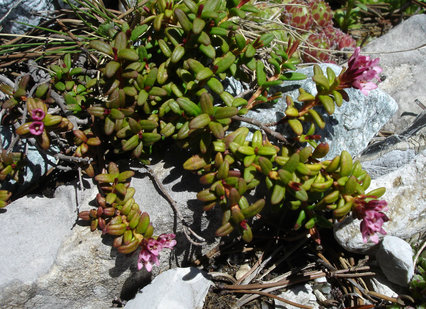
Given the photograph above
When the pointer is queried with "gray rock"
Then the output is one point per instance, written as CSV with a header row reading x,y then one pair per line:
x,y
403,58
59,264
301,294
388,162
33,229
407,206
55,263
352,125
27,11
387,155
348,235
395,258
87,273
179,288
406,198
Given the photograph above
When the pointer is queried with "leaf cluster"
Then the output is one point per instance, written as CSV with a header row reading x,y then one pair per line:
x,y
161,79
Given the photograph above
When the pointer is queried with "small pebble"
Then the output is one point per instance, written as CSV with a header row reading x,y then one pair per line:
x,y
242,271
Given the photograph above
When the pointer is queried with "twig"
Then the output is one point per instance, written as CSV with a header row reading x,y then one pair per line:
x,y
186,229
248,276
80,181
326,262
276,285
283,283
16,137
2,112
368,293
72,158
418,253
6,80
353,295
391,299
10,10
244,93
32,37
257,269
60,101
213,252
290,252
340,271
22,55
89,71
72,21
330,267
355,275
34,88
130,10
64,168
224,275
273,296
263,127
246,298
76,40
396,51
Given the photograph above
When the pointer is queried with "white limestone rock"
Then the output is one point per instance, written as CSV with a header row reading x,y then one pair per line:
x,y
32,230
178,288
395,258
403,58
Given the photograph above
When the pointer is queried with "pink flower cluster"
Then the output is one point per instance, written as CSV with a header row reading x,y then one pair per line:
x,y
37,126
151,249
360,73
372,216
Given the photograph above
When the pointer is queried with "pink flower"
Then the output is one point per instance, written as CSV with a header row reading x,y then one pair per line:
x,y
372,216
36,128
37,114
167,240
365,87
360,73
153,246
361,205
147,258
372,224
151,249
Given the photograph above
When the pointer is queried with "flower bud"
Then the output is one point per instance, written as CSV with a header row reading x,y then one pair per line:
x,y
84,215
101,223
321,151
